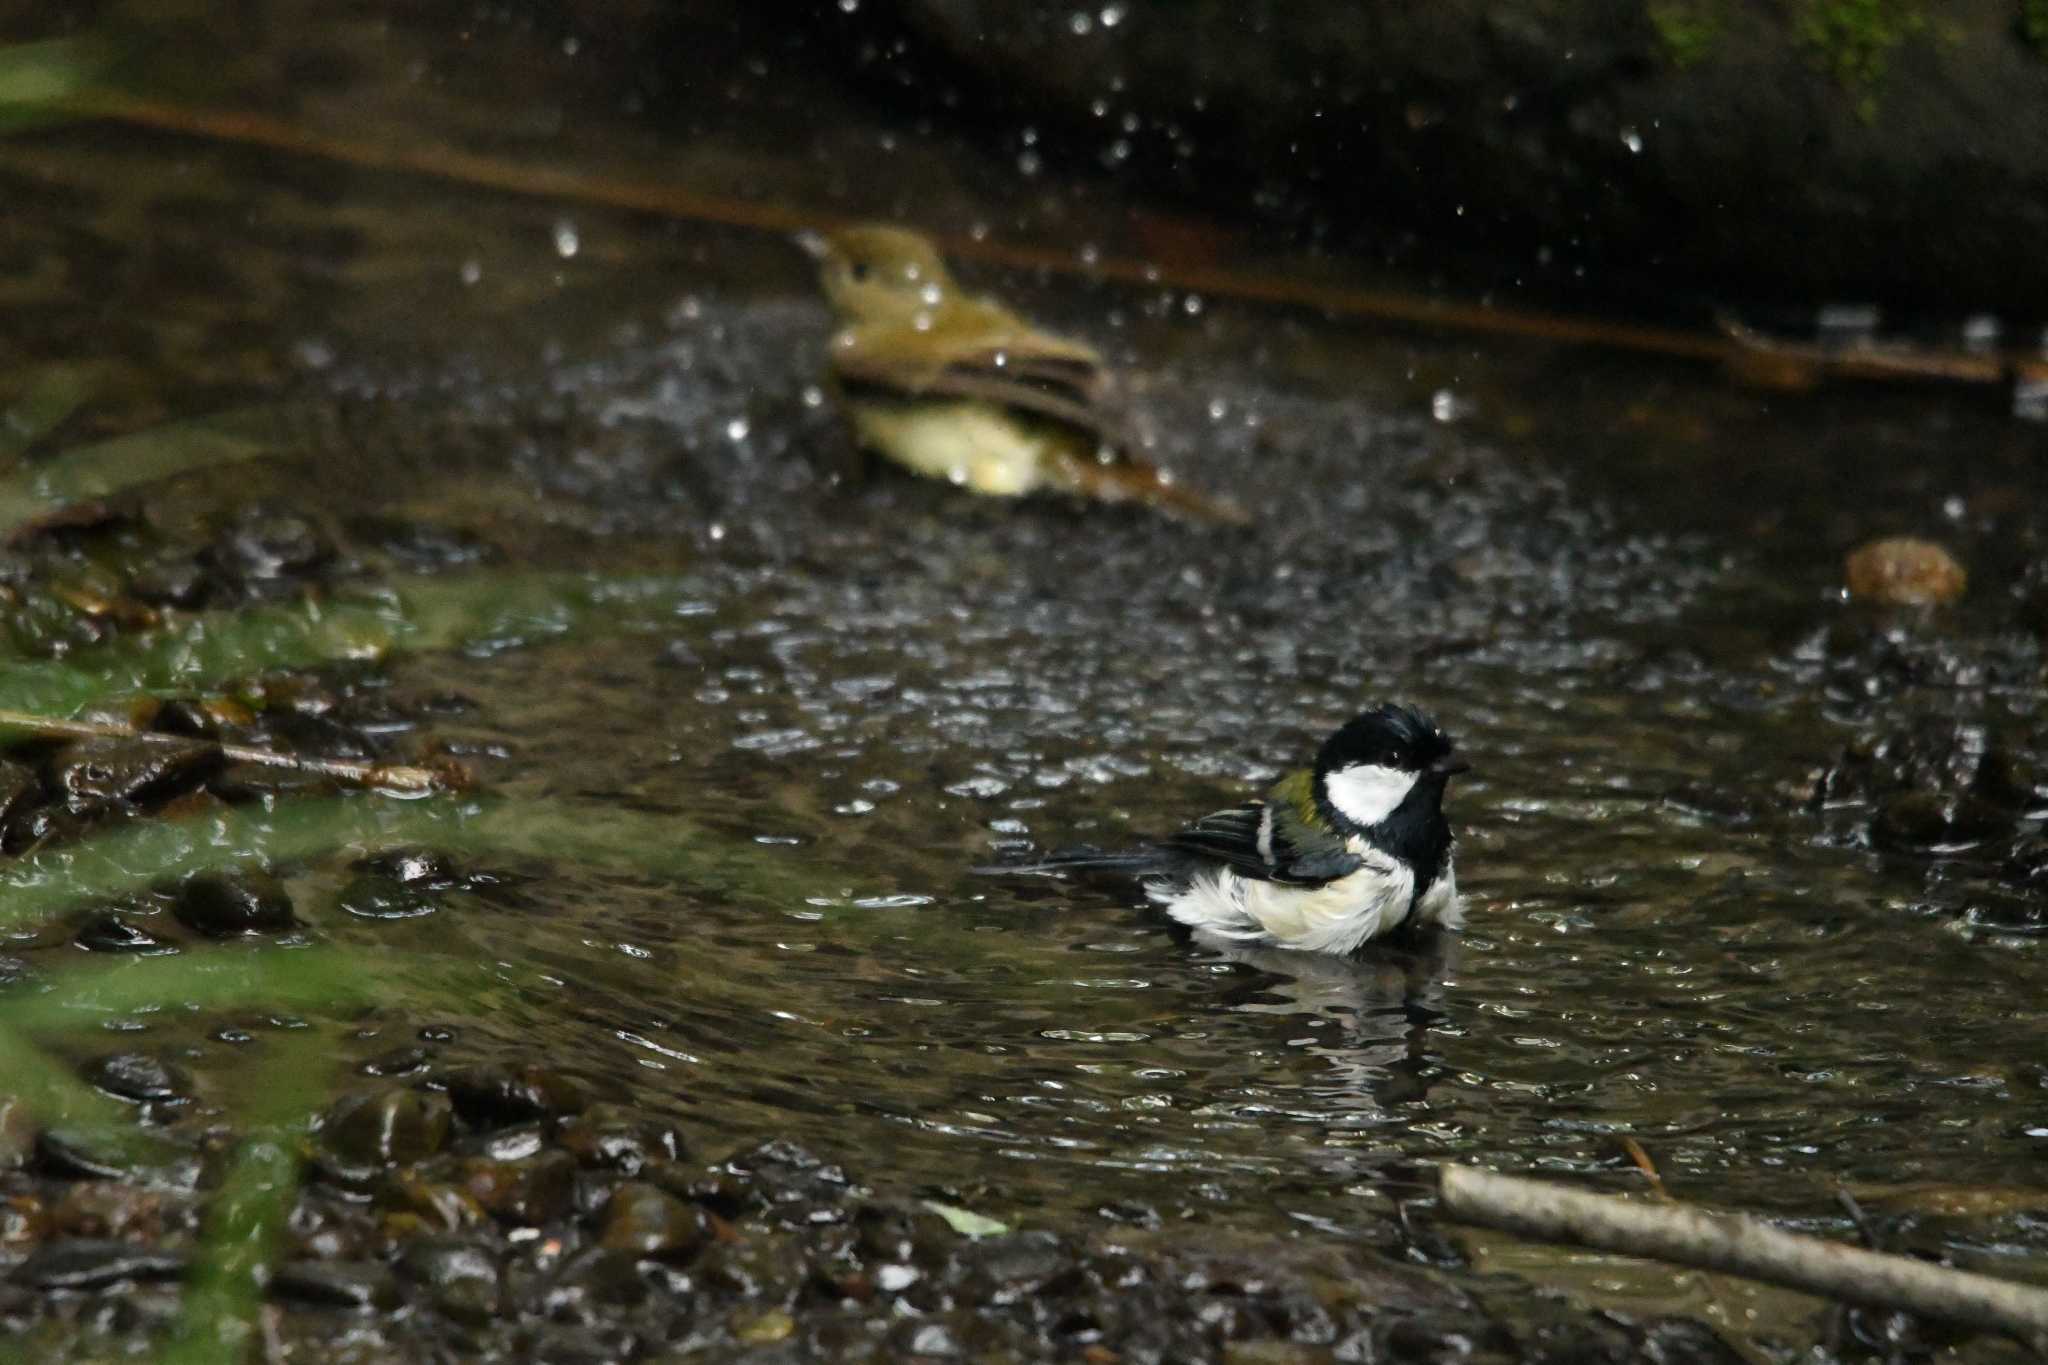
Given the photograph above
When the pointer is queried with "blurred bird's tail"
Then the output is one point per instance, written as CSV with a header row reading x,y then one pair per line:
x,y
1136,862
1134,480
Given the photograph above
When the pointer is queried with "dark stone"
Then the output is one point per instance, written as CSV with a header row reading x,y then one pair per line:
x,y
111,933
115,1154
171,583
264,781
531,1191
140,1077
20,789
646,1221
269,544
98,771
220,904
95,1262
404,1061
423,545
1935,821
383,898
614,1137
392,1126
1707,139
336,1284
415,867
493,1095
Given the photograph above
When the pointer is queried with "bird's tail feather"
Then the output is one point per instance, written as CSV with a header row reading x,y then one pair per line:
x,y
1136,862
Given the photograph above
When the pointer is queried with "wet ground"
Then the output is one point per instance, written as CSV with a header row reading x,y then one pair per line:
x,y
1755,874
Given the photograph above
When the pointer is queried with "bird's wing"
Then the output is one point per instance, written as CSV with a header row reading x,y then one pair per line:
x,y
1249,843
978,349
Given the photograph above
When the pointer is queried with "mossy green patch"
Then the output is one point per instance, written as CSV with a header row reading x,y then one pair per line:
x,y
1686,32
1854,40
2034,24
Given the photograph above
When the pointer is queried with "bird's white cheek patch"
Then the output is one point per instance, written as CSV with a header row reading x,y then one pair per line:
x,y
1368,793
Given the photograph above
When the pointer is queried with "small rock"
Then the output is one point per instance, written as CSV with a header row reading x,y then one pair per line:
x,y
20,789
140,1077
94,1262
336,1284
461,1278
112,933
648,1222
1905,571
109,1208
1935,821
220,904
121,1153
614,1137
269,544
171,583
417,867
530,1192
391,1126
384,898
97,771
493,1095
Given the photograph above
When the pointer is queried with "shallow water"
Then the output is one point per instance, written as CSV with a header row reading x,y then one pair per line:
x,y
1614,580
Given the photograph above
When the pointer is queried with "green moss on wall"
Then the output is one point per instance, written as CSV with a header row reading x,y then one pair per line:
x,y
1687,31
2034,24
1853,40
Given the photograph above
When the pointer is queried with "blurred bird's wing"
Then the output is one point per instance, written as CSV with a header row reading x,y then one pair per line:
x,y
1252,842
977,349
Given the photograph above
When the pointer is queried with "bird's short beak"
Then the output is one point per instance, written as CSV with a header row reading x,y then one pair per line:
x,y
1450,767
813,243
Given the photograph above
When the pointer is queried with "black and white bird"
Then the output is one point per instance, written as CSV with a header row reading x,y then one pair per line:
x,y
1332,857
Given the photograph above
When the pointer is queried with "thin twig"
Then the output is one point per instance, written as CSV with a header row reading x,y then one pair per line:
x,y
1739,1245
399,779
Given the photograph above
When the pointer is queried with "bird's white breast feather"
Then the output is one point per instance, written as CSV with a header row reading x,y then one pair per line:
x,y
1368,793
977,445
1333,918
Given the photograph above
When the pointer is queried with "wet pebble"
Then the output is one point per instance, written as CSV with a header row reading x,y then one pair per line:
x,y
115,1153
95,1262
20,789
17,1132
646,1221
414,867
109,1208
1921,821
97,771
492,1095
615,1137
531,1191
114,933
140,1077
171,583
222,904
384,898
1904,570
266,543
336,1284
459,1278
389,1126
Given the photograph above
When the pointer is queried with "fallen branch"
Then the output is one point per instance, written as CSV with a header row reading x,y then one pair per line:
x,y
1735,1244
397,779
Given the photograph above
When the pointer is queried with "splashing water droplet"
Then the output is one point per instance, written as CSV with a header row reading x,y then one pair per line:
x,y
1632,140
472,270
813,396
1111,15
736,430
1080,22
567,243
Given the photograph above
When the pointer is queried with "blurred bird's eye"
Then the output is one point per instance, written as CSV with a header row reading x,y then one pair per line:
x,y
859,271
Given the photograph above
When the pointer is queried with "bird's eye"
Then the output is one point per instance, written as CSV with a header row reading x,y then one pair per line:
x,y
859,271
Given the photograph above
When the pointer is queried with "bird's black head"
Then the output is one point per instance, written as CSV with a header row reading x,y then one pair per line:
x,y
1384,773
